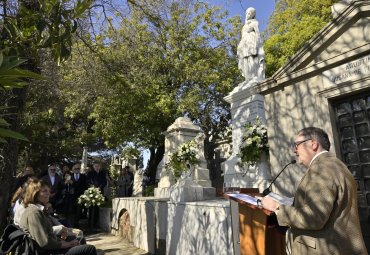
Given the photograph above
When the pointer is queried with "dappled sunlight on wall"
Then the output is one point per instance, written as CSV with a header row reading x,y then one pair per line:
x,y
199,229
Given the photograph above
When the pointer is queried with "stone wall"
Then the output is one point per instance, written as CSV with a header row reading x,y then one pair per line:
x,y
162,227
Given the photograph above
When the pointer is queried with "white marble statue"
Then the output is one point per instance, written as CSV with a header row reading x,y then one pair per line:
x,y
251,55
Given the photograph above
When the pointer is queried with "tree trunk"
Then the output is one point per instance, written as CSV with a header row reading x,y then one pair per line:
x,y
10,154
156,155
213,163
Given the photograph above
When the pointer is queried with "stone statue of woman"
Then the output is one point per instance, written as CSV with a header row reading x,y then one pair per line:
x,y
250,52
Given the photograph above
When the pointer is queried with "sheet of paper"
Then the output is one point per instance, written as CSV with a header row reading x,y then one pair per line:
x,y
245,198
281,199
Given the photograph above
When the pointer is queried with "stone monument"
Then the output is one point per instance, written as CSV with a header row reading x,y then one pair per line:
x,y
251,56
246,105
180,131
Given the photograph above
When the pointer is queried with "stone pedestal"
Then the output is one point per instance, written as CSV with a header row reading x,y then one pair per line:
x,y
183,130
162,192
138,184
202,227
105,218
186,190
246,105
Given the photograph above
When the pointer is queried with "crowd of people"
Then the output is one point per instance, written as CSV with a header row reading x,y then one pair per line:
x,y
46,205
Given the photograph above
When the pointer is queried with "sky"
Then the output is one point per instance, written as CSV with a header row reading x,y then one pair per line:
x,y
264,8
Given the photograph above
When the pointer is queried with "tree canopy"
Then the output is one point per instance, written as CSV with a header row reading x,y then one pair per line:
x,y
163,60
291,25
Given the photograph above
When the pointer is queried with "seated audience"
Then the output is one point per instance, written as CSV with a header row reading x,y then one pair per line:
x,y
35,222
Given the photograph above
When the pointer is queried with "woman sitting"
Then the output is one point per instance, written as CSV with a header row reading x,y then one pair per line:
x,y
35,222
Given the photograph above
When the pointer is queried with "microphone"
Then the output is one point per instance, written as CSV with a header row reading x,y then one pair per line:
x,y
267,191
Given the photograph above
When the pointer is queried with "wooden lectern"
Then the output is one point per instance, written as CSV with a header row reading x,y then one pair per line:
x,y
259,233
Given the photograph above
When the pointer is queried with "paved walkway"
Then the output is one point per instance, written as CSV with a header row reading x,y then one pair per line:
x,y
109,244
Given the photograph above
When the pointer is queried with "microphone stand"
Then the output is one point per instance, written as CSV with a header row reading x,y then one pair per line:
x,y
267,191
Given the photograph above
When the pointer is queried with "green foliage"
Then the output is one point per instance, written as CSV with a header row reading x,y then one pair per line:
x,y
291,25
29,29
114,172
163,61
130,152
11,76
254,142
148,191
40,24
56,130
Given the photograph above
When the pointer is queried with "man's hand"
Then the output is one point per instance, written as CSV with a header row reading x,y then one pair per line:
x,y
269,204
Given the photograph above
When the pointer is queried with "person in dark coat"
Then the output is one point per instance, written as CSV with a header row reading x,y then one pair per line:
x,y
23,177
79,185
56,183
96,178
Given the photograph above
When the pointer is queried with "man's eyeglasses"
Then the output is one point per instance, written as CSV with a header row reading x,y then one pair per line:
x,y
52,169
296,144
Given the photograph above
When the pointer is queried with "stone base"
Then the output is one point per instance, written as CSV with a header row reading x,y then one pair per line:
x,y
245,85
209,193
105,218
203,183
192,226
186,190
162,192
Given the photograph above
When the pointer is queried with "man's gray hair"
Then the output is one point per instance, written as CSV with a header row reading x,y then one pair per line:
x,y
316,134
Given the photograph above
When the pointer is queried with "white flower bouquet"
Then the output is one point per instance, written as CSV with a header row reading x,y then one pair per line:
x,y
186,155
254,142
92,196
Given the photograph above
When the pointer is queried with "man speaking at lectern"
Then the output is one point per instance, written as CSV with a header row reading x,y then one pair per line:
x,y
324,217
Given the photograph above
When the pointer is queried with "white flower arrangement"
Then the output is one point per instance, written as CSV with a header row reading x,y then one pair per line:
x,y
254,142
92,196
186,155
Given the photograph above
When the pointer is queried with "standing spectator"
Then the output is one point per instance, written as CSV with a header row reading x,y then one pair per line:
x,y
131,184
123,183
55,182
67,196
23,177
79,185
96,178
65,169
